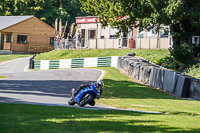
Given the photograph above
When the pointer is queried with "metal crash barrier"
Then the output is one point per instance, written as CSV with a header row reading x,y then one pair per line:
x,y
158,77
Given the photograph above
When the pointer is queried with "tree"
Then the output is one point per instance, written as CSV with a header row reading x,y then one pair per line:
x,y
45,10
6,7
183,16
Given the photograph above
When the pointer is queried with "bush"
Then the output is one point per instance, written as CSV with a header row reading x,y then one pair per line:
x,y
182,53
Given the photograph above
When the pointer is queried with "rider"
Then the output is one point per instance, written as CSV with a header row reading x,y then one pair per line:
x,y
99,84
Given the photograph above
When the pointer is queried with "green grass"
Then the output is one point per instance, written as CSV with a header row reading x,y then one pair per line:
x,y
193,71
160,57
178,115
150,54
18,118
12,56
121,92
1,77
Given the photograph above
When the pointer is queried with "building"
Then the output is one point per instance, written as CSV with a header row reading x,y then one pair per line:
x,y
25,34
96,37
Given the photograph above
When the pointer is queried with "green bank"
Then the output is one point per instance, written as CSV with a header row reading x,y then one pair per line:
x,y
12,56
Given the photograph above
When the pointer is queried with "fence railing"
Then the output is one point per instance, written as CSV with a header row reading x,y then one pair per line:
x,y
114,43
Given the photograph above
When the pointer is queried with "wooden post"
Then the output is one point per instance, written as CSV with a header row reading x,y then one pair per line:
x,y
96,36
158,37
149,43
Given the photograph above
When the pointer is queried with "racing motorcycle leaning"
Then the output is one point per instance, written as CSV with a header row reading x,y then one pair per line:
x,y
86,94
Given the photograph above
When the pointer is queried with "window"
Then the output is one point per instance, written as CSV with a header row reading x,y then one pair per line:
x,y
92,34
152,33
102,34
140,34
22,39
163,34
113,33
51,40
8,38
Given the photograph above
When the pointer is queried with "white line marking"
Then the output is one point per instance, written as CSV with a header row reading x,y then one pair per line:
x,y
102,74
26,68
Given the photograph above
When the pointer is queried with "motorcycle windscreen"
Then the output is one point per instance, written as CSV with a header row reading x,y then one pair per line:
x,y
94,89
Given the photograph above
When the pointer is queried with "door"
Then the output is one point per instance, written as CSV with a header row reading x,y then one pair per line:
x,y
82,37
2,42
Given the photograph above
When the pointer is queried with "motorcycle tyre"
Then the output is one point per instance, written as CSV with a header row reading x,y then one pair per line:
x,y
71,102
87,100
92,103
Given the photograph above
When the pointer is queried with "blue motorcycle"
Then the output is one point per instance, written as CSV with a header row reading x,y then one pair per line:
x,y
87,95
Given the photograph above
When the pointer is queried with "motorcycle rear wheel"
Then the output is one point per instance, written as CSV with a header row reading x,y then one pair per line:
x,y
86,99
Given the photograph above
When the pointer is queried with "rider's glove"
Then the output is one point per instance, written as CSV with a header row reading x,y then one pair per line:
x,y
98,95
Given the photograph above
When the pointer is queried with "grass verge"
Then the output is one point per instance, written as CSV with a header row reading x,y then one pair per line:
x,y
151,54
178,115
17,118
121,92
1,77
12,56
158,56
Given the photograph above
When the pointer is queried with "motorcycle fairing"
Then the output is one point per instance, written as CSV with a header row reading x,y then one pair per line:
x,y
91,90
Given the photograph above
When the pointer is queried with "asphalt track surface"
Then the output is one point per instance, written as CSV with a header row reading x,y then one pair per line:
x,y
45,87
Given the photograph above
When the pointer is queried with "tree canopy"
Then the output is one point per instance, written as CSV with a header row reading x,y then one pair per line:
x,y
183,16
45,10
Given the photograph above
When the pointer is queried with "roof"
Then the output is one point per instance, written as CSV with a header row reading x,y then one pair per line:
x,y
7,21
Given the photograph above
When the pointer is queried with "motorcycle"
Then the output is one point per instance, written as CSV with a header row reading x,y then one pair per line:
x,y
85,96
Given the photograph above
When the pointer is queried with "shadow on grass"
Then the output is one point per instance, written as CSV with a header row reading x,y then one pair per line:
x,y
129,89
26,118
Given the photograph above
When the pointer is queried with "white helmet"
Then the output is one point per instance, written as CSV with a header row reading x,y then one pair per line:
x,y
99,84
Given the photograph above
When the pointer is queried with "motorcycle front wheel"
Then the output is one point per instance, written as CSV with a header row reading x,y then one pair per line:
x,y
86,99
71,102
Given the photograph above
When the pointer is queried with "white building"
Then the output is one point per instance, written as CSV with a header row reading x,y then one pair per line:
x,y
94,36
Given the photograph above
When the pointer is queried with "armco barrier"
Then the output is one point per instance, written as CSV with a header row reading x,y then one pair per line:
x,y
158,77
182,84
76,63
145,72
169,81
161,74
154,77
194,90
104,62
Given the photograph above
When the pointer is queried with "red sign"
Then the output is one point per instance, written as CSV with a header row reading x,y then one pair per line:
x,y
124,18
87,20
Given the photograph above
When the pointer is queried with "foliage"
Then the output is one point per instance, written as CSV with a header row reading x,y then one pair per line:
x,y
1,77
169,62
45,10
181,15
182,53
20,7
193,71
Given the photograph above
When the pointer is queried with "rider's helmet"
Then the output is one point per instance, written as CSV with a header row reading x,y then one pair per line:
x,y
99,84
